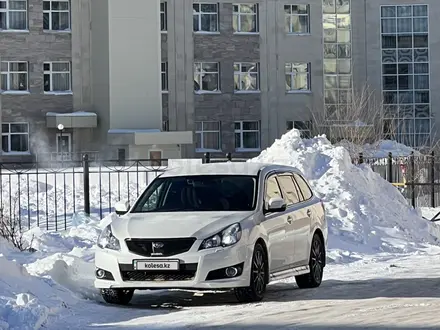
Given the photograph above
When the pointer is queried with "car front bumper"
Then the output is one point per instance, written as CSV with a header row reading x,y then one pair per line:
x,y
193,274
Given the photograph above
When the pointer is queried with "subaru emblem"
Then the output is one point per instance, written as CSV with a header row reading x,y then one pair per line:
x,y
157,245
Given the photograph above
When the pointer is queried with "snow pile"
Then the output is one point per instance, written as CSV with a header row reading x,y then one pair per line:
x,y
366,214
26,302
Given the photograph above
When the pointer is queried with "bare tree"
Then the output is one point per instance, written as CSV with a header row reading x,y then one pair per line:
x,y
11,229
363,120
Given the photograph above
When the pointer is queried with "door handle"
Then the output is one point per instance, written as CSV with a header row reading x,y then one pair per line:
x,y
289,219
309,213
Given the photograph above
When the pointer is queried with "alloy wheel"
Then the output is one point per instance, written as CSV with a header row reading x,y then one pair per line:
x,y
317,261
258,272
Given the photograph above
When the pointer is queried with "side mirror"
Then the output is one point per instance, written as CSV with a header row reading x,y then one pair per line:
x,y
276,204
122,207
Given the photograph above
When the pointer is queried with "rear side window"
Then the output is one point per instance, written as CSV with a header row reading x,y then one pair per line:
x,y
272,189
305,189
290,193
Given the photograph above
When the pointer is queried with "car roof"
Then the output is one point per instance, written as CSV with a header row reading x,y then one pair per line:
x,y
226,168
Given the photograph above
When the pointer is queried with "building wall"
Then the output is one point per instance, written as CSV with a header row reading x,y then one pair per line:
x,y
36,47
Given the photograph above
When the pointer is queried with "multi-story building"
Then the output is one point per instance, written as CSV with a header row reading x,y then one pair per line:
x,y
152,79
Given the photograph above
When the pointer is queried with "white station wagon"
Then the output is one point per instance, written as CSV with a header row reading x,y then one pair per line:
x,y
215,226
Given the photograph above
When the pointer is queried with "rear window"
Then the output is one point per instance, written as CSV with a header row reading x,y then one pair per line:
x,y
305,189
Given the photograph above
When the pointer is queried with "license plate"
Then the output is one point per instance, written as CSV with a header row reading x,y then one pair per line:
x,y
156,264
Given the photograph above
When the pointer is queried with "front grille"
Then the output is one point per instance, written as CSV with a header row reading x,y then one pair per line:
x,y
171,246
187,272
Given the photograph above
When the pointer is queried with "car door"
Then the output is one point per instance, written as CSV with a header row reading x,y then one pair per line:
x,y
275,226
304,224
293,218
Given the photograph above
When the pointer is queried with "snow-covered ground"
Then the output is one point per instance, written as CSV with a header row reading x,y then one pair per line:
x,y
382,271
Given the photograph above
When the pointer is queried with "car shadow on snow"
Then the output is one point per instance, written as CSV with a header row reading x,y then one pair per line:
x,y
286,292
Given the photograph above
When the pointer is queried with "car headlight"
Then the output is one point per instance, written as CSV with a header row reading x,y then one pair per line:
x,y
107,241
226,237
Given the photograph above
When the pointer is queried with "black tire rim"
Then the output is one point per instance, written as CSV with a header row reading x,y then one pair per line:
x,y
317,261
258,272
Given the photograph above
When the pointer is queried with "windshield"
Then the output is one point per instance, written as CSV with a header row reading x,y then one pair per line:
x,y
199,193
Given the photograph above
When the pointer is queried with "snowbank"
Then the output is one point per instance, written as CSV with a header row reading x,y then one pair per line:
x,y
26,302
366,214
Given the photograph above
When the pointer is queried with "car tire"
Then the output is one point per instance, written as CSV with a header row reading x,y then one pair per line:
x,y
117,296
316,264
257,288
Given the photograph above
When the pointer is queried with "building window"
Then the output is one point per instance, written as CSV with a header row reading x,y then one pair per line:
x,y
163,16
205,17
338,86
208,136
57,77
297,19
15,137
245,18
14,76
406,74
304,127
56,15
164,76
206,77
13,15
297,76
246,77
247,135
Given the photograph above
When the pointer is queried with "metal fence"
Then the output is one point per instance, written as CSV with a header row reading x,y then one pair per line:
x,y
50,195
416,176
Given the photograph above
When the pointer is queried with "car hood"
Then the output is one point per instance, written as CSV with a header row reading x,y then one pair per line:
x,y
175,224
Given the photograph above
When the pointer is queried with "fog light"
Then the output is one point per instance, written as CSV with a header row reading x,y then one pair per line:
x,y
100,273
231,271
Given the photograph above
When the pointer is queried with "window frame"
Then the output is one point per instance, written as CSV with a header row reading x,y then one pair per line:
x,y
164,77
50,72
8,81
199,15
294,177
201,132
291,15
198,71
57,11
239,14
240,75
7,11
163,9
293,74
241,131
9,134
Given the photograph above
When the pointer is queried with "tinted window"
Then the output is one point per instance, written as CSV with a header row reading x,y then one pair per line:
x,y
272,189
307,193
199,193
290,193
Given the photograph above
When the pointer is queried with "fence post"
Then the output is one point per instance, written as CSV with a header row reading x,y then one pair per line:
x,y
390,167
432,179
229,156
86,181
207,158
412,178
361,158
